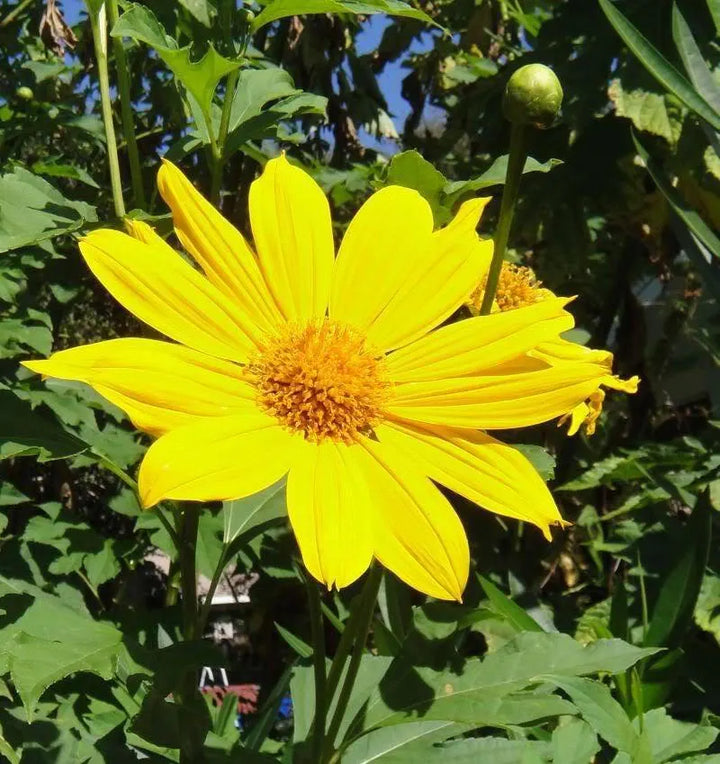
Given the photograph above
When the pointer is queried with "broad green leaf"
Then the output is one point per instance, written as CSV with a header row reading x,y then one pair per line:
x,y
38,653
409,169
480,692
574,742
199,77
714,8
648,111
60,170
509,610
660,68
671,739
606,716
24,432
493,176
279,9
243,516
693,60
400,744
31,211
539,457
673,611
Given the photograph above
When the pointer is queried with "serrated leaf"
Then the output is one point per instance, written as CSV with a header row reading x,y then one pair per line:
x,y
31,211
647,110
480,693
200,77
606,716
279,9
660,68
24,432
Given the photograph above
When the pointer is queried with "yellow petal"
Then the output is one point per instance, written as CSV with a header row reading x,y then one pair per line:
x,y
167,293
561,350
378,254
475,344
442,277
478,467
292,229
492,402
331,512
145,233
160,386
219,459
218,246
576,417
417,534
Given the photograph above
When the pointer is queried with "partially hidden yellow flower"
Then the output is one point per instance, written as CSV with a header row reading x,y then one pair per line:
x,y
288,360
518,287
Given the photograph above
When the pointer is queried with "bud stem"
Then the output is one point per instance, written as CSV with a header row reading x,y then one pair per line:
x,y
516,164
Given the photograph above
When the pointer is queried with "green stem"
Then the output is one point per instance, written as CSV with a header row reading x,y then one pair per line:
x,y
218,149
99,32
126,112
207,603
516,163
360,626
318,642
15,13
192,737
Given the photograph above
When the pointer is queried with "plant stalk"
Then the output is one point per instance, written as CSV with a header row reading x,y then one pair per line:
x,y
98,22
516,164
359,628
189,698
318,642
126,111
207,602
218,147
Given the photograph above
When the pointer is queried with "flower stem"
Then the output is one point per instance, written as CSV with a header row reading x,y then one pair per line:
x,y
516,163
189,698
15,12
123,74
218,148
98,22
318,642
357,631
207,602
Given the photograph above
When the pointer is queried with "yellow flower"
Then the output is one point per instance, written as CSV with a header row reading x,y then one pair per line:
x,y
518,286
332,371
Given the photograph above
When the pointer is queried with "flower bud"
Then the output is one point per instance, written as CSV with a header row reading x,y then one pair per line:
x,y
25,93
532,96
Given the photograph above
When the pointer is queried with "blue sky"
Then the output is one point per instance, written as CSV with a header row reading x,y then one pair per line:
x,y
390,80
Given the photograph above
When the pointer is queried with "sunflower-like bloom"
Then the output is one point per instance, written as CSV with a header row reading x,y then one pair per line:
x,y
332,371
518,287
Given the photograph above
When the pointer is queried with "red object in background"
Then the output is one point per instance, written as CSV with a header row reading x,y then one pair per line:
x,y
247,695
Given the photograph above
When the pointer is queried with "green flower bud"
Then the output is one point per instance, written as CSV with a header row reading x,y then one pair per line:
x,y
533,96
25,93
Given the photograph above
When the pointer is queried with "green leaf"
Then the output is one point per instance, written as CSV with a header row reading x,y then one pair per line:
x,y
244,516
660,68
202,10
648,111
509,610
301,647
574,742
480,693
671,739
714,8
606,716
493,176
279,9
539,457
679,591
410,170
24,432
31,210
400,744
199,77
693,60
58,170
497,750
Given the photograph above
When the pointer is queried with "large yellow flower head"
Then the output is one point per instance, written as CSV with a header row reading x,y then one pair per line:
x,y
333,371
518,286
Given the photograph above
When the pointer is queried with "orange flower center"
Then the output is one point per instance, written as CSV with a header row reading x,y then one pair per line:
x,y
321,380
517,286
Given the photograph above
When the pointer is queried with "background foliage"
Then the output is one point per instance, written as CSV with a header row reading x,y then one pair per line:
x,y
600,646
